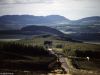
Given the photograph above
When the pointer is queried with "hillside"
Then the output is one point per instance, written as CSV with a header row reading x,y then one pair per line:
x,y
87,29
18,25
28,31
94,20
33,30
41,30
18,21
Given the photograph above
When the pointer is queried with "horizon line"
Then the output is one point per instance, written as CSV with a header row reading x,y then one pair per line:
x,y
47,15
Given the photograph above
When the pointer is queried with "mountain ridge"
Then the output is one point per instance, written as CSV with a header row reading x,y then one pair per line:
x,y
24,20
19,21
29,31
88,20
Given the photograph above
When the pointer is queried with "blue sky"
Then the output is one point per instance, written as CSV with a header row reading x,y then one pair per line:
x,y
72,9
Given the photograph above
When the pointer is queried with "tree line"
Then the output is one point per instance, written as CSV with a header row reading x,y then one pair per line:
x,y
23,49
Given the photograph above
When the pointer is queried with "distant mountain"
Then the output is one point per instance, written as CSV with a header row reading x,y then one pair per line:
x,y
19,21
44,30
30,30
85,25
94,20
87,29
33,30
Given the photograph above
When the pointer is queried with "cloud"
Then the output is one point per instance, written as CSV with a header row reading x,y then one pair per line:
x,y
24,1
72,9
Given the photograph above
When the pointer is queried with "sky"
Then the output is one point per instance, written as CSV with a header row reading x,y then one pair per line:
x,y
71,9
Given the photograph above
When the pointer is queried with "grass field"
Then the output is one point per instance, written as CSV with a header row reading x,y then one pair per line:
x,y
39,40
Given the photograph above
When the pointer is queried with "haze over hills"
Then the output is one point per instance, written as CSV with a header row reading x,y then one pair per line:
x,y
94,20
29,31
34,30
86,26
19,21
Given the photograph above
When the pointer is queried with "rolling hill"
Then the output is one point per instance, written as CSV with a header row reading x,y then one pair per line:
x,y
22,25
94,20
33,30
19,21
41,30
29,31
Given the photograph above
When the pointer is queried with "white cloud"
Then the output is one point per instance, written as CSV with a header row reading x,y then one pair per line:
x,y
23,1
72,9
